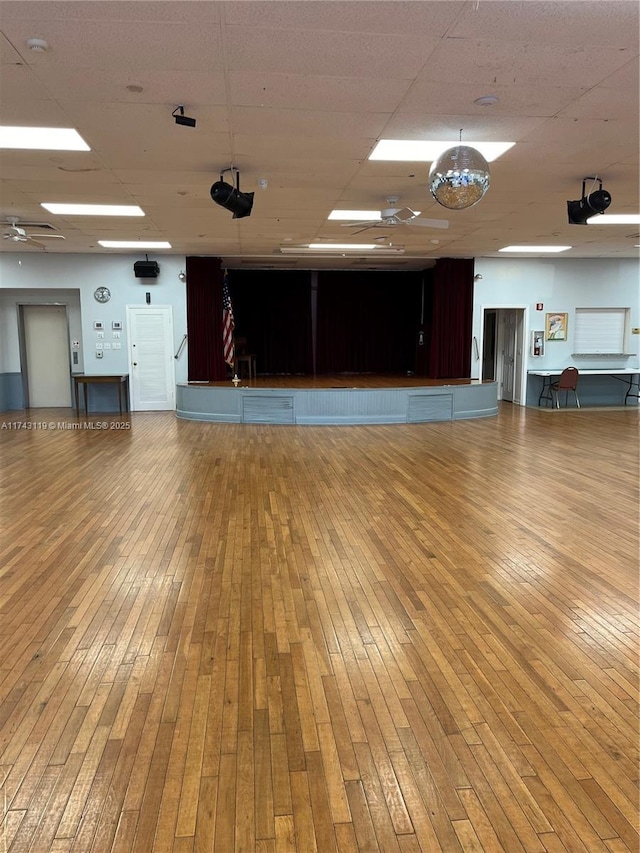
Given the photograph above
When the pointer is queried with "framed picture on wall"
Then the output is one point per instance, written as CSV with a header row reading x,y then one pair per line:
x,y
556,327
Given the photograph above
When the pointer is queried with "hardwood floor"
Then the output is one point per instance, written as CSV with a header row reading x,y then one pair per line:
x,y
259,638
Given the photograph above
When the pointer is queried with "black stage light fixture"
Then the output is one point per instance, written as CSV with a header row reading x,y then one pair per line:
x,y
589,205
229,197
182,118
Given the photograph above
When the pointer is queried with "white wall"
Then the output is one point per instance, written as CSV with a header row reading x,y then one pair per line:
x,y
560,285
29,277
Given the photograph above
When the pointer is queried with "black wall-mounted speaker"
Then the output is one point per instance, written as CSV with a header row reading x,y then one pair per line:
x,y
146,269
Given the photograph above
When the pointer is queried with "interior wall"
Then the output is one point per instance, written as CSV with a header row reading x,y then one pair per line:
x,y
560,285
72,279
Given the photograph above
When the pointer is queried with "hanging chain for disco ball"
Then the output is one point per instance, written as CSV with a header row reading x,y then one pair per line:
x,y
459,177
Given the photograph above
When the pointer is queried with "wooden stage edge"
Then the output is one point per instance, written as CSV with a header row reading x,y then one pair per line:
x,y
339,399
338,380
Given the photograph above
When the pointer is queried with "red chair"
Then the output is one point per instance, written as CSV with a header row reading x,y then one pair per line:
x,y
568,381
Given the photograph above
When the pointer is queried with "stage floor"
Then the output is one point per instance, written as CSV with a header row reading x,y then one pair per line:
x,y
340,380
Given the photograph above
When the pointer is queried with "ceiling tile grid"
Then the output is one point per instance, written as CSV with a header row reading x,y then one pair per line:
x,y
297,94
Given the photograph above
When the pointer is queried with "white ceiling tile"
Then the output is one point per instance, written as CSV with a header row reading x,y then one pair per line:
x,y
298,93
139,45
436,97
495,62
361,17
326,93
307,123
588,23
313,52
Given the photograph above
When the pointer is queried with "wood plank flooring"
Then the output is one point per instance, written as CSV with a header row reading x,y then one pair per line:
x,y
273,639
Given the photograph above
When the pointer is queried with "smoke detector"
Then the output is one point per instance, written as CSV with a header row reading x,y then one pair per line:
x,y
37,45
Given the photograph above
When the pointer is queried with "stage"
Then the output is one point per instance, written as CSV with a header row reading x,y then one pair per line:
x,y
334,400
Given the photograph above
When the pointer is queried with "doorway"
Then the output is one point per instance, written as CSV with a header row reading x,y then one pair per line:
x,y
503,350
45,356
152,372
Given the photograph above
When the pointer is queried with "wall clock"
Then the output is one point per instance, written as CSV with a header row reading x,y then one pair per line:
x,y
102,294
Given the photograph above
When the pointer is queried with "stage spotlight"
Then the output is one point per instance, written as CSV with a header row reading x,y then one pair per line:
x,y
238,203
182,118
589,205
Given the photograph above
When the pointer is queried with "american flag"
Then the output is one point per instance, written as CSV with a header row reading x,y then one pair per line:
x,y
228,324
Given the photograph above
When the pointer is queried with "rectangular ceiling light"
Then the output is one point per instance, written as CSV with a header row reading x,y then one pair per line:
x,y
134,244
336,250
354,214
93,209
614,219
543,249
42,138
356,247
426,150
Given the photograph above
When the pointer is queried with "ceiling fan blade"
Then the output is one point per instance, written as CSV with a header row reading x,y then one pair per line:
x,y
367,226
47,236
368,223
33,242
405,214
429,223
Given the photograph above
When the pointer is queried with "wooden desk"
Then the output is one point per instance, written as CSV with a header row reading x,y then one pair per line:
x,y
629,375
85,379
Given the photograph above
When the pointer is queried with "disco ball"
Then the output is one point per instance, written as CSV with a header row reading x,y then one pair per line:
x,y
459,178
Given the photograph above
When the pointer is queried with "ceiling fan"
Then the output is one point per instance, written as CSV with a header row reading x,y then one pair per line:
x,y
18,235
391,217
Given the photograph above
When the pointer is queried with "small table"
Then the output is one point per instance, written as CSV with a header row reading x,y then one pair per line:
x,y
85,379
629,375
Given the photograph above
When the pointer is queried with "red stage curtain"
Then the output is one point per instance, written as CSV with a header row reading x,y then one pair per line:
x,y
204,320
451,313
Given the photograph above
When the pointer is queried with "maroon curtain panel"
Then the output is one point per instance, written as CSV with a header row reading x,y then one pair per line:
x,y
204,320
451,312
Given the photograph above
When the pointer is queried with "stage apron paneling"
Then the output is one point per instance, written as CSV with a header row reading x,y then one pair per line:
x,y
333,406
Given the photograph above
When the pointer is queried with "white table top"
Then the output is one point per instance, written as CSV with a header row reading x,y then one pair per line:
x,y
614,371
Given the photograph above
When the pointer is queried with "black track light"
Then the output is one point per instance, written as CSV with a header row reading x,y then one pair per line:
x,y
182,118
591,204
229,197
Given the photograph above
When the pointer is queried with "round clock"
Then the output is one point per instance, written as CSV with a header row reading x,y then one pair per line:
x,y
102,294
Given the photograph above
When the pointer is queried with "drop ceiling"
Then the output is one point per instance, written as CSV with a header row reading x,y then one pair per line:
x,y
298,94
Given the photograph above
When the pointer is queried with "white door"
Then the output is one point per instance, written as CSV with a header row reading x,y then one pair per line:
x,y
508,323
46,349
151,374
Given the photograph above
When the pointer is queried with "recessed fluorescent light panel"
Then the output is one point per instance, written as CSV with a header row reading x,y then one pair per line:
x,y
354,214
614,219
93,209
360,215
426,150
133,244
356,247
42,138
341,250
543,249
